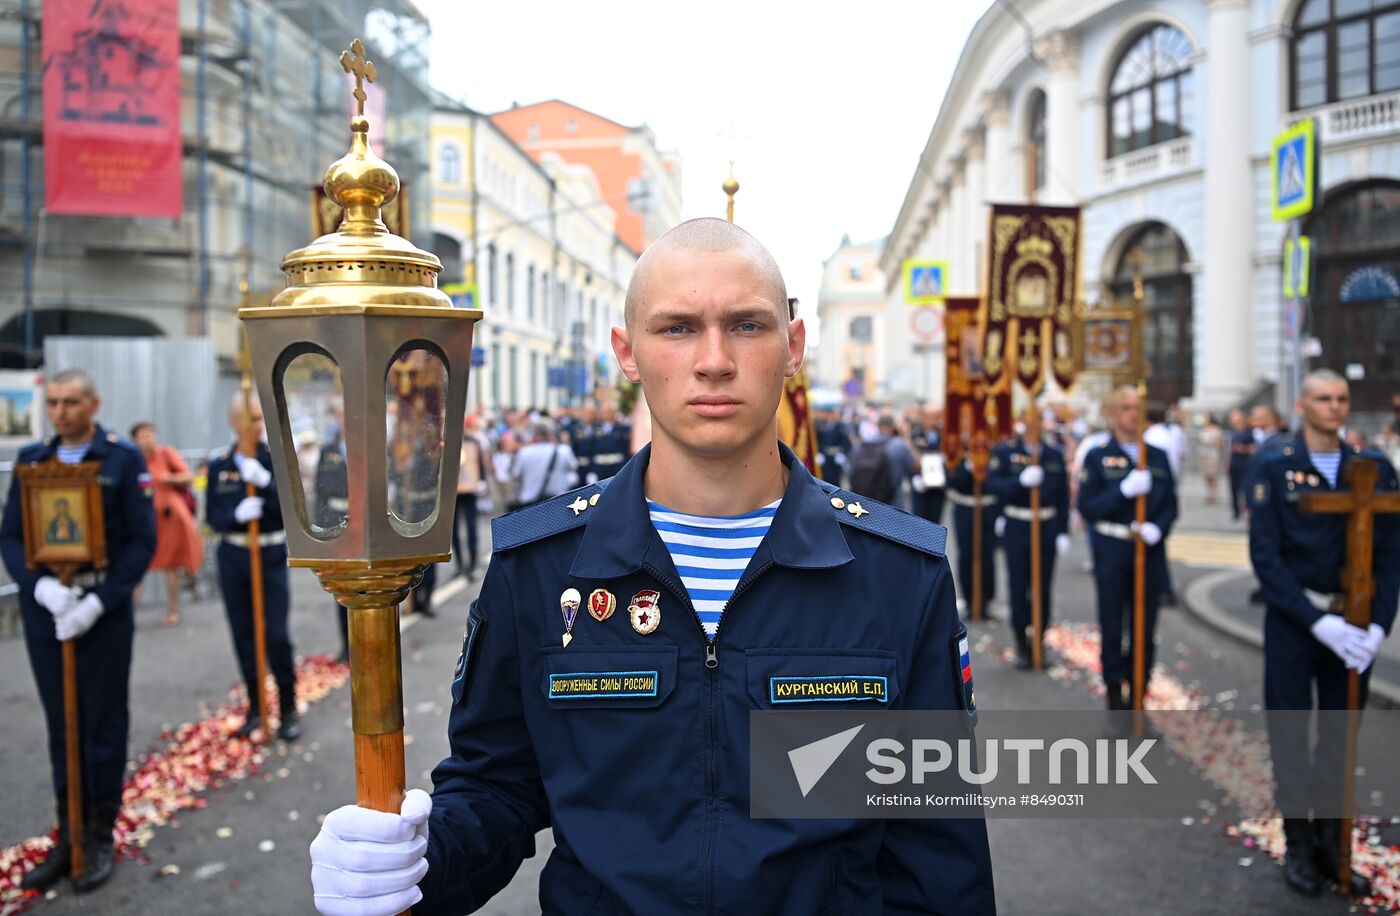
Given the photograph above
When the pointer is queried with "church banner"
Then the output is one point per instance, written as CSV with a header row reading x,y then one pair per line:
x,y
967,407
112,142
1032,286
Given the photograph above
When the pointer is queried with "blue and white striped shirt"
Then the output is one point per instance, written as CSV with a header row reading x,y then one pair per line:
x,y
73,454
711,553
1327,464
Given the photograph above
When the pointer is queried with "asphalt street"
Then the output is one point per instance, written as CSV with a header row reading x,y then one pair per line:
x,y
245,851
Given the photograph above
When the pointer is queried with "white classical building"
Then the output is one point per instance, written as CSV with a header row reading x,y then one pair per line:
x,y
1158,119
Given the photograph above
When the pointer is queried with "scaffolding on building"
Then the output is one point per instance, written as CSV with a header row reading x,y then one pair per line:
x,y
264,110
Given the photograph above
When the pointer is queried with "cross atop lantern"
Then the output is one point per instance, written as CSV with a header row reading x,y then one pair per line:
x,y
361,364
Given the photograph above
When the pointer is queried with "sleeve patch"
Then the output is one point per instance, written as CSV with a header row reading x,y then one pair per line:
x,y
459,674
962,672
1260,496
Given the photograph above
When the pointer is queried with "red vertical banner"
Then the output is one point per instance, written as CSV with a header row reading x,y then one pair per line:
x,y
112,108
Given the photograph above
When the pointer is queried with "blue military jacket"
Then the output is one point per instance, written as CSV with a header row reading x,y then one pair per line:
x,y
1012,457
1293,550
128,517
610,444
647,785
1101,500
227,488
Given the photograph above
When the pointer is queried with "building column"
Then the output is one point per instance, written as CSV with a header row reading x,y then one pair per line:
x,y
1064,158
957,251
1003,174
975,219
1223,316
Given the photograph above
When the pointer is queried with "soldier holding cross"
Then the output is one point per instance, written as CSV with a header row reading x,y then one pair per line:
x,y
1299,556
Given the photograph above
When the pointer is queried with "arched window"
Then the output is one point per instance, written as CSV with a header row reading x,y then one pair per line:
x,y
1343,49
449,164
1035,142
1149,98
1355,309
1158,253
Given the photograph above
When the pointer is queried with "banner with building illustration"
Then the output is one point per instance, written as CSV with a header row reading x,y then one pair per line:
x,y
112,142
1032,286
968,409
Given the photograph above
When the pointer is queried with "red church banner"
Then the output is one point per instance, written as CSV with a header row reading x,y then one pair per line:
x,y
968,407
112,108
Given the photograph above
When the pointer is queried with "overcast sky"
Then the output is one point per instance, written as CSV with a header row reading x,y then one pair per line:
x,y
824,106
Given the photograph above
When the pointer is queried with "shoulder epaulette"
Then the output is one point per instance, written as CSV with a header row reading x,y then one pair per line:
x,y
875,517
27,452
555,515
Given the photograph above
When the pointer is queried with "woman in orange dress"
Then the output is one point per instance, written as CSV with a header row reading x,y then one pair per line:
x,y
179,549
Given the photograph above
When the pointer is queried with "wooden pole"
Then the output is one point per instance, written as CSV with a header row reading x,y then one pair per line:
x,y
1140,579
248,445
1037,598
72,752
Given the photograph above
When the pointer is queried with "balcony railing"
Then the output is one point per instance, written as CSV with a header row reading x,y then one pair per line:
x,y
1353,119
1158,161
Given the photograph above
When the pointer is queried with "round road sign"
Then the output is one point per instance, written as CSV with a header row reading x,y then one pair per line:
x,y
926,322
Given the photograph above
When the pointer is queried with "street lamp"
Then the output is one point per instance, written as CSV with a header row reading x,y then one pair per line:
x,y
363,341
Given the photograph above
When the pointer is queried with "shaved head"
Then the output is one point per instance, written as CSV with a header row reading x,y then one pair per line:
x,y
707,235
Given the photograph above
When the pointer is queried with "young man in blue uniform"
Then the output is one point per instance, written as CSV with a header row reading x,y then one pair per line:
x,y
1308,646
624,723
1109,486
1011,476
95,612
229,509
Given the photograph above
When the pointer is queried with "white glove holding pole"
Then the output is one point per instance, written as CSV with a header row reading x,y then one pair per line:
x,y
79,620
1137,483
917,484
55,597
1346,641
1062,544
248,509
1032,477
1151,534
1370,645
369,863
252,471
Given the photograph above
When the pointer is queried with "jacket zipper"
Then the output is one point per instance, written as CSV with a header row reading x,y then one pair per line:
x,y
711,663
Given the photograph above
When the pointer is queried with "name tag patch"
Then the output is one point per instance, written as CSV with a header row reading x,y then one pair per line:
x,y
603,684
829,689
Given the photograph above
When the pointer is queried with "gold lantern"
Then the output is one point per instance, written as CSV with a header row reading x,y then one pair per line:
x,y
361,364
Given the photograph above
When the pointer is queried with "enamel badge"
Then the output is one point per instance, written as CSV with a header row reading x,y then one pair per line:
x,y
601,604
568,606
645,611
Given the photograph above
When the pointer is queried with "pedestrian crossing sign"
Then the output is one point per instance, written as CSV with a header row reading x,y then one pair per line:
x,y
1297,261
925,282
1293,170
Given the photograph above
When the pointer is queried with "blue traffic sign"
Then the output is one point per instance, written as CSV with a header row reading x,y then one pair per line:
x,y
1293,168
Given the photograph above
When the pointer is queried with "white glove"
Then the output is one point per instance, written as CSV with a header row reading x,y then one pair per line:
x,y
252,471
821,459
1062,544
591,479
54,596
1151,534
369,863
1033,476
917,483
1346,641
999,526
1137,483
80,619
1371,644
249,508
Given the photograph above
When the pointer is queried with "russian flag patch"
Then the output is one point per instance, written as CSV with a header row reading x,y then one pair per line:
x,y
962,652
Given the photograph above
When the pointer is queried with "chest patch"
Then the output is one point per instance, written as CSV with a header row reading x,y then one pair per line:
x,y
837,688
574,685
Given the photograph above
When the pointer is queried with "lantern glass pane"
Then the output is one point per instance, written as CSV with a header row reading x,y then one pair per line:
x,y
416,397
315,419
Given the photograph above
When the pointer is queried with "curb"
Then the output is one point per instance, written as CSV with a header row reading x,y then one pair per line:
x,y
1196,599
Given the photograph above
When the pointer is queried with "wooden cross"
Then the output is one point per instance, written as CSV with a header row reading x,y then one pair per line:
x,y
363,68
1361,504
